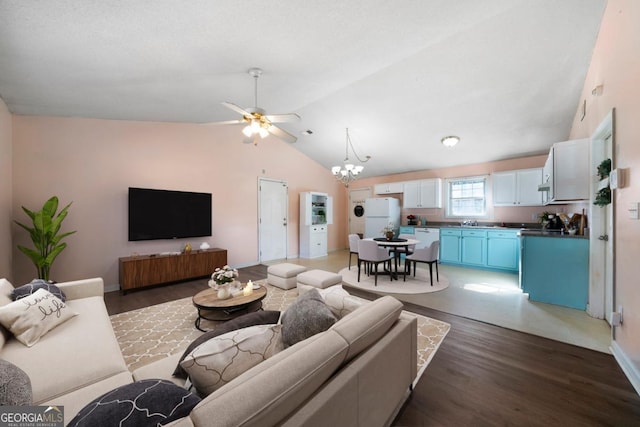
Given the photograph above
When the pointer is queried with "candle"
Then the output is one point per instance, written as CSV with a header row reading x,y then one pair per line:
x,y
248,290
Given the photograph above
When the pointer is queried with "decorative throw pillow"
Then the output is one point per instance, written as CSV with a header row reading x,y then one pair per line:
x,y
36,284
142,403
221,359
15,385
31,317
265,317
5,298
307,316
339,301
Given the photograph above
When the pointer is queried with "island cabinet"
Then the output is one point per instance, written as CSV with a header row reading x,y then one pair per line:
x,y
426,193
517,188
484,248
555,270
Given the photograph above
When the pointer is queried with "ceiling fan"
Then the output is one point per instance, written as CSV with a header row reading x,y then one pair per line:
x,y
258,123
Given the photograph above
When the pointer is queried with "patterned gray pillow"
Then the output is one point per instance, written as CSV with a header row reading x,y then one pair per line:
x,y
139,404
30,288
15,385
307,316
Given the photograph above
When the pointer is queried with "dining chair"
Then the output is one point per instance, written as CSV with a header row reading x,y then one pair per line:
x,y
404,250
428,255
354,239
369,252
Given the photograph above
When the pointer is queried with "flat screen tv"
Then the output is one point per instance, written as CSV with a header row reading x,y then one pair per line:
x,y
165,214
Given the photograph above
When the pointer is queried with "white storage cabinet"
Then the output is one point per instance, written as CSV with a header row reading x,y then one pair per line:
x,y
426,193
389,188
517,188
316,213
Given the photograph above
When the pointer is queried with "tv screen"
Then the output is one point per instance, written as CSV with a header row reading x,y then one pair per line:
x,y
164,214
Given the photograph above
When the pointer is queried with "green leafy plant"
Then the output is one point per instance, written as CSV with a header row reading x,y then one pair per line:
x,y
603,197
604,169
45,235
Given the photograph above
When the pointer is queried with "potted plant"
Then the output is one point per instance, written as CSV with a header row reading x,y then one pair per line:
x,y
389,231
45,235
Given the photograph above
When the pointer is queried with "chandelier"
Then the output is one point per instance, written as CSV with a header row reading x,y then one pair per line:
x,y
348,172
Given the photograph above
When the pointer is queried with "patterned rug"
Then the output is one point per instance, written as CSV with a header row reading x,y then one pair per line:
x,y
155,332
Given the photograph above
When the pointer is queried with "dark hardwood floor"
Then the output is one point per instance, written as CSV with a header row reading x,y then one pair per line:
x,y
484,375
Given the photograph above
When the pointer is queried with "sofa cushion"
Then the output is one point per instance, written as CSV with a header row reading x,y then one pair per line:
x,y
367,324
221,359
15,386
30,288
339,301
5,298
31,317
307,316
250,319
143,403
87,344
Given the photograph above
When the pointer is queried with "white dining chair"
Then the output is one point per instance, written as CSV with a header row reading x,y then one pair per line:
x,y
428,255
369,252
354,239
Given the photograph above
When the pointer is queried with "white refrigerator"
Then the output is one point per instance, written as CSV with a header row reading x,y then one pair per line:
x,y
380,212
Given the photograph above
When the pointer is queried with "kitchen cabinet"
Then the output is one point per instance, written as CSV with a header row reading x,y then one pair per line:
x,y
450,245
473,247
316,212
517,188
503,249
566,174
555,270
389,188
479,247
426,193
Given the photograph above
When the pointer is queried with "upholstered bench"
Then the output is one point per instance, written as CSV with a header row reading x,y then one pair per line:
x,y
317,279
284,275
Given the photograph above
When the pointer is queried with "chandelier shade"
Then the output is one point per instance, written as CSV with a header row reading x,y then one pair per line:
x,y
348,172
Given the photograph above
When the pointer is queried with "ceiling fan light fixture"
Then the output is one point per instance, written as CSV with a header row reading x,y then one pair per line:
x,y
247,131
263,132
450,141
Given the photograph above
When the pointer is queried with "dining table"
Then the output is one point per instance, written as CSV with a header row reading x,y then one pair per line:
x,y
395,243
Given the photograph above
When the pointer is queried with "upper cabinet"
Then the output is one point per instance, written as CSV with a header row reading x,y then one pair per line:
x,y
566,172
517,188
389,188
426,193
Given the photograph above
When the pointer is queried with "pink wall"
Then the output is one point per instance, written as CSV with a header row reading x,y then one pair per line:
x,y
5,192
616,65
497,214
92,163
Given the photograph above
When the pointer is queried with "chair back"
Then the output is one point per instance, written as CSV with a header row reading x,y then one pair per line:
x,y
354,239
428,254
434,250
368,250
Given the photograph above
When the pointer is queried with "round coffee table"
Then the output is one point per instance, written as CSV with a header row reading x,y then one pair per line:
x,y
210,307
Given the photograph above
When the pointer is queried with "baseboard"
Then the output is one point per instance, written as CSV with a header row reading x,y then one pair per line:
x,y
112,288
627,365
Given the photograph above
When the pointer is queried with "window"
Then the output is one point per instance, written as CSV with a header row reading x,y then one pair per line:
x,y
466,197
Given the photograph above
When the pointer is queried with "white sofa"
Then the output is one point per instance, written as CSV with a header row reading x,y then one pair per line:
x,y
76,361
359,372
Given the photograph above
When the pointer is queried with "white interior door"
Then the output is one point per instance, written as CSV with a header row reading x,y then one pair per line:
x,y
602,237
356,209
272,219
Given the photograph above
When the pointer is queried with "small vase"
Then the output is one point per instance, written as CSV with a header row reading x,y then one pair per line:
x,y
223,292
389,235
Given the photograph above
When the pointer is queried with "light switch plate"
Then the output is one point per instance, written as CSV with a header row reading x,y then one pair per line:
x,y
633,210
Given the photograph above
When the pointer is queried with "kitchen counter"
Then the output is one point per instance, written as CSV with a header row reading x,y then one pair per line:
x,y
551,233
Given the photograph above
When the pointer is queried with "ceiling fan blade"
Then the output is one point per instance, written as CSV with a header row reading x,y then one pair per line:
x,y
282,118
281,134
235,108
228,122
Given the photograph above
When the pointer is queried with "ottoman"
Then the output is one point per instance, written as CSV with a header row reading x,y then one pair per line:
x,y
284,275
317,279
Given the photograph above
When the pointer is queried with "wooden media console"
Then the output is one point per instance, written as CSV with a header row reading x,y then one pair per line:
x,y
147,270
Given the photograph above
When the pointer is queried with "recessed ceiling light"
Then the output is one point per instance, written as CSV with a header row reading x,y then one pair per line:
x,y
450,141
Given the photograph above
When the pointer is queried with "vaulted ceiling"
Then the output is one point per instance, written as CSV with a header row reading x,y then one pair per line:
x,y
503,75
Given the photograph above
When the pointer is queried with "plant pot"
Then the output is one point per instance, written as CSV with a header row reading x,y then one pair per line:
x,y
389,235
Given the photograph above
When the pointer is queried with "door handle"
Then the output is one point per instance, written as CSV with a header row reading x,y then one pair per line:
x,y
604,237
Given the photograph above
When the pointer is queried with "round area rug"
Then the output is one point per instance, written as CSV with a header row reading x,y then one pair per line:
x,y
414,285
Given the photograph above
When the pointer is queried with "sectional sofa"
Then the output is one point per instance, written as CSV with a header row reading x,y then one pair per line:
x,y
358,372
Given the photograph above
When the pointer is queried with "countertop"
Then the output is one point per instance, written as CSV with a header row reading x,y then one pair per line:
x,y
527,230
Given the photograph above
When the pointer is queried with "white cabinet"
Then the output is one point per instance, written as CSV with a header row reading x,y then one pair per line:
x,y
389,188
316,212
517,188
426,193
566,172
